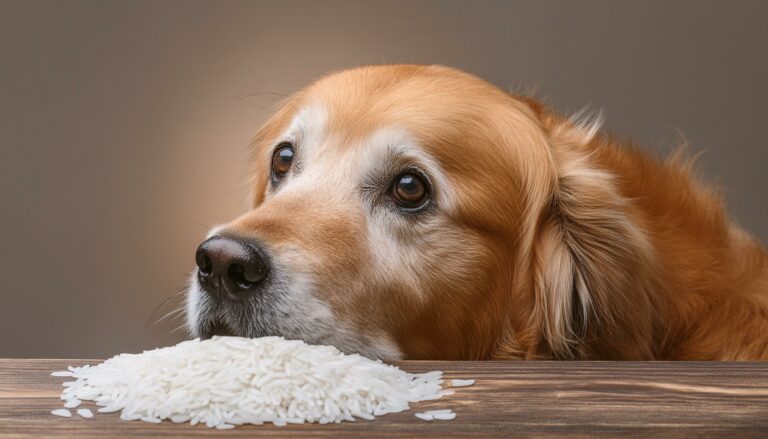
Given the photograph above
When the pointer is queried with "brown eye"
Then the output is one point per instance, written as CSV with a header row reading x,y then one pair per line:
x,y
409,191
282,160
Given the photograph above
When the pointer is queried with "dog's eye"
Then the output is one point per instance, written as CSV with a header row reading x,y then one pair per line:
x,y
282,160
409,191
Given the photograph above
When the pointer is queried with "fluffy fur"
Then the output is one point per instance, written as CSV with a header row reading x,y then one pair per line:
x,y
546,239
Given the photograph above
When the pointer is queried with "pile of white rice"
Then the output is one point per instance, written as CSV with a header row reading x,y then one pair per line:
x,y
228,381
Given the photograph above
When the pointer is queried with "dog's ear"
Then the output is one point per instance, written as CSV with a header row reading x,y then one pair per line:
x,y
592,263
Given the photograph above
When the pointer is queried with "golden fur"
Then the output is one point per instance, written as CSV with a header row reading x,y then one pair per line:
x,y
552,240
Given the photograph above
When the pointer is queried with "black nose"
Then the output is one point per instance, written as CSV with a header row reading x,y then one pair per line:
x,y
230,266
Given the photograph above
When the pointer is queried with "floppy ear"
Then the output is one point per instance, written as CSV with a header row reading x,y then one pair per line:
x,y
592,263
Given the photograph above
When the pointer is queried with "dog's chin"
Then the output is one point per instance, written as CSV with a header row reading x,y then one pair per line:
x,y
217,327
220,327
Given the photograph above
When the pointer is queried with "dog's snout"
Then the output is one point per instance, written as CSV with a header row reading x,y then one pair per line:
x,y
230,266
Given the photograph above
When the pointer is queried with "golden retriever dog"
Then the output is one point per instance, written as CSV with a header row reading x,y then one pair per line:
x,y
418,212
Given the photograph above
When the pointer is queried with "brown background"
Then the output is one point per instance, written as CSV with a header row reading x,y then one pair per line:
x,y
123,125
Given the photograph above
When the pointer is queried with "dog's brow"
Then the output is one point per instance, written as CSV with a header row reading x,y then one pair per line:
x,y
307,125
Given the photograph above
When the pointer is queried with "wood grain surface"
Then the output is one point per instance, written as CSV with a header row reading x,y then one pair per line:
x,y
510,399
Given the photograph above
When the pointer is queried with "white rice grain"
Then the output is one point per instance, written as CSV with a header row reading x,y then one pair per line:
x,y
72,403
85,413
462,383
441,415
64,413
444,416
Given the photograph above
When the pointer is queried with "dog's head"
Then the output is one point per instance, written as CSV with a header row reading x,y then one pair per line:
x,y
396,213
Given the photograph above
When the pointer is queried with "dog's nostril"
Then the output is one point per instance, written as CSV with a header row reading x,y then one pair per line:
x,y
204,263
236,273
248,273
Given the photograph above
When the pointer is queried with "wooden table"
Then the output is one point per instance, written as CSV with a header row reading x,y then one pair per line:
x,y
525,399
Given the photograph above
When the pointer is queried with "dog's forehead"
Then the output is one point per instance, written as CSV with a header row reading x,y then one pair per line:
x,y
361,120
387,143
318,138
353,106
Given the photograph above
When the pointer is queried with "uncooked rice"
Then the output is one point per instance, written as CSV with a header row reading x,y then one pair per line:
x,y
228,381
85,413
462,383
424,416
64,413
441,415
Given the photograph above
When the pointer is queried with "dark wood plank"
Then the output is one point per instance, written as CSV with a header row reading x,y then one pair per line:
x,y
527,399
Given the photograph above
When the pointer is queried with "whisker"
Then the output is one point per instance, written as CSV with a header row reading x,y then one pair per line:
x,y
179,310
258,107
259,93
158,307
176,330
